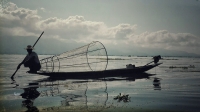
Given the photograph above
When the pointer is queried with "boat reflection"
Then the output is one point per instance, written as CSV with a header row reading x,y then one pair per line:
x,y
83,94
77,94
156,83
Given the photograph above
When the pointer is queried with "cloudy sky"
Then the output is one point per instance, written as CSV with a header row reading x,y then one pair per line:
x,y
136,27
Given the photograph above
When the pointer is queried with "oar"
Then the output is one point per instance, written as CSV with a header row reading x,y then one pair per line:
x,y
149,63
14,73
38,39
33,47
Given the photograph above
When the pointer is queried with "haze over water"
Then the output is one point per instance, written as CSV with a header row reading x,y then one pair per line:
x,y
172,86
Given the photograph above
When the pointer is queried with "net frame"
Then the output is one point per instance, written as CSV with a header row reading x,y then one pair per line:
x,y
86,52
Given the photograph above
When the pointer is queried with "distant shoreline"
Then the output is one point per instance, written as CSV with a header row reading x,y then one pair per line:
x,y
122,55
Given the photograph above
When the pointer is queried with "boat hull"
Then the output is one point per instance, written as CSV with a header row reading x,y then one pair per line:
x,y
98,74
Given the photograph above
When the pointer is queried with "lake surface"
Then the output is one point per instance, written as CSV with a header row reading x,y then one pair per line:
x,y
172,86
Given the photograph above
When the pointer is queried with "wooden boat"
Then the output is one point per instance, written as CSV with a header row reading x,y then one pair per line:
x,y
98,74
89,61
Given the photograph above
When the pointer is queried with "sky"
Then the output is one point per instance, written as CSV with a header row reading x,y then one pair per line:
x,y
125,27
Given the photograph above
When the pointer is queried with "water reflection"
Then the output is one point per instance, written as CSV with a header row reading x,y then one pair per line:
x,y
76,94
30,94
14,83
156,83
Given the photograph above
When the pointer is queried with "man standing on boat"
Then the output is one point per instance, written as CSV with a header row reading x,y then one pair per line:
x,y
31,60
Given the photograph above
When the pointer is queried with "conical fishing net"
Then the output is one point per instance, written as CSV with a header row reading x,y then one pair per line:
x,y
91,57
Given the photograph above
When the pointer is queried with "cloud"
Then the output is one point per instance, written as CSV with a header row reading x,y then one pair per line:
x,y
25,22
123,31
14,19
166,40
74,27
21,21
42,9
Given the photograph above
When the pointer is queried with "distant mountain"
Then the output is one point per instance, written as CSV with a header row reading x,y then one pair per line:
x,y
51,46
150,52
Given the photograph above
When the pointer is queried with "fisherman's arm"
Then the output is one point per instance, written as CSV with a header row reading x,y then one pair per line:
x,y
21,63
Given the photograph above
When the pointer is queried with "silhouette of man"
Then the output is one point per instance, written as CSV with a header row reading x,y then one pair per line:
x,y
156,58
31,60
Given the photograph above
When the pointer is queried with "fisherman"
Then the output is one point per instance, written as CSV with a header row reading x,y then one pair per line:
x,y
156,58
31,61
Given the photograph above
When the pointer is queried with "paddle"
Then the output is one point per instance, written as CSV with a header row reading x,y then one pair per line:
x,y
33,47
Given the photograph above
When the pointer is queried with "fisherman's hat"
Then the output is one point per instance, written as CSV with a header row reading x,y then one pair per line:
x,y
29,47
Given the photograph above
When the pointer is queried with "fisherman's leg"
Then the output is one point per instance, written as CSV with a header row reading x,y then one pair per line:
x,y
27,64
156,61
35,67
31,64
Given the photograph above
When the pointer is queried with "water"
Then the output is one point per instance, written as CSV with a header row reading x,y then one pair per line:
x,y
174,87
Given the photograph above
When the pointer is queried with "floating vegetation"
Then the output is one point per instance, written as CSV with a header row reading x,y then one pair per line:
x,y
124,98
117,59
110,58
168,59
183,67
